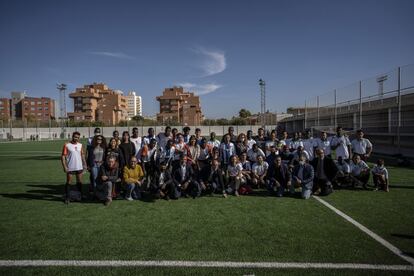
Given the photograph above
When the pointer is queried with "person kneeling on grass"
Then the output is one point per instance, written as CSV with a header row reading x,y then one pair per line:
x,y
183,177
74,163
325,172
342,177
211,178
359,172
380,176
259,172
279,177
107,178
235,172
162,185
303,175
133,176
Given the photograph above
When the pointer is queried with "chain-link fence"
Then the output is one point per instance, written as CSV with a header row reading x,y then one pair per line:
x,y
383,106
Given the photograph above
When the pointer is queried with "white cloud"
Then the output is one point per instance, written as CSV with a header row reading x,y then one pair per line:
x,y
200,89
214,62
112,54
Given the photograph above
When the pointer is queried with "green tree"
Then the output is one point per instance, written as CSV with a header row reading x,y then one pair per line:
x,y
244,113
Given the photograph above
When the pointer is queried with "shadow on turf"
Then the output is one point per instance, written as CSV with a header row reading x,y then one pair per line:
x,y
401,187
39,157
403,236
54,192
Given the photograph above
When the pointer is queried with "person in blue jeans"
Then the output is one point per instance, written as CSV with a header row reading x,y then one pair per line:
x,y
303,175
95,158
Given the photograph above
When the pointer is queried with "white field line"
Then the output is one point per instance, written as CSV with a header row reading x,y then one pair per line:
x,y
364,229
119,263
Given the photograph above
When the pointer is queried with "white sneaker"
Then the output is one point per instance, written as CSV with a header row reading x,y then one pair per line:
x,y
129,198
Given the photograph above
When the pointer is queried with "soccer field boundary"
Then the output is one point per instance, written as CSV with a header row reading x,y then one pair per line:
x,y
200,264
367,231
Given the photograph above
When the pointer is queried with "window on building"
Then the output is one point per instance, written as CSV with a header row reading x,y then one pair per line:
x,y
32,103
32,108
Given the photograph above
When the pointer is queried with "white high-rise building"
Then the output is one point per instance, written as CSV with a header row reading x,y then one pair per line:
x,y
134,105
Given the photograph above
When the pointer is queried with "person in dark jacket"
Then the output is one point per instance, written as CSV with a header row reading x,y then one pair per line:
x,y
211,178
279,177
127,148
162,185
183,178
302,176
107,179
325,171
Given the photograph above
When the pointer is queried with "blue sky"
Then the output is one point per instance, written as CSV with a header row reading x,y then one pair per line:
x,y
219,49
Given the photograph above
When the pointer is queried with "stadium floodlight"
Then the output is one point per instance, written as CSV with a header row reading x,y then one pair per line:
x,y
262,85
62,102
380,81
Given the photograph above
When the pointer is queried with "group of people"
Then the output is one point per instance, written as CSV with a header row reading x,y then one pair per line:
x,y
174,164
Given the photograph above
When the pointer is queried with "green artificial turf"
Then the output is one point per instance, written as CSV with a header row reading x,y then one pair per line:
x,y
35,224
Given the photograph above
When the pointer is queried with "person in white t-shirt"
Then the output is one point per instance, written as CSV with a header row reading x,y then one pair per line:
x,y
136,140
359,172
340,145
295,143
380,176
253,153
272,142
213,142
147,139
73,163
361,145
234,170
284,140
163,137
250,140
309,144
259,172
323,143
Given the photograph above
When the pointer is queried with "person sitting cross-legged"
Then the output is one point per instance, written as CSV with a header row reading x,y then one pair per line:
x,y
211,178
235,175
325,172
107,178
380,176
359,172
279,177
133,176
183,177
259,172
162,185
342,178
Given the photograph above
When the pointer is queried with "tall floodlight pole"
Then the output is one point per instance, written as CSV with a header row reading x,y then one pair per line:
x,y
380,81
262,85
62,102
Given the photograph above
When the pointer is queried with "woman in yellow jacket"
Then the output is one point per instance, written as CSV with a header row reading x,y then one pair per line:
x,y
133,176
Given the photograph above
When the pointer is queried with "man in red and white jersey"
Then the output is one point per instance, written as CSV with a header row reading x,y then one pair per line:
x,y
73,163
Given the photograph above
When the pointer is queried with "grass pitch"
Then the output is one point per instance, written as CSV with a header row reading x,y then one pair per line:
x,y
35,224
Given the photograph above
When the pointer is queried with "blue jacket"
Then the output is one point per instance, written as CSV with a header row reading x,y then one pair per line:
x,y
308,174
